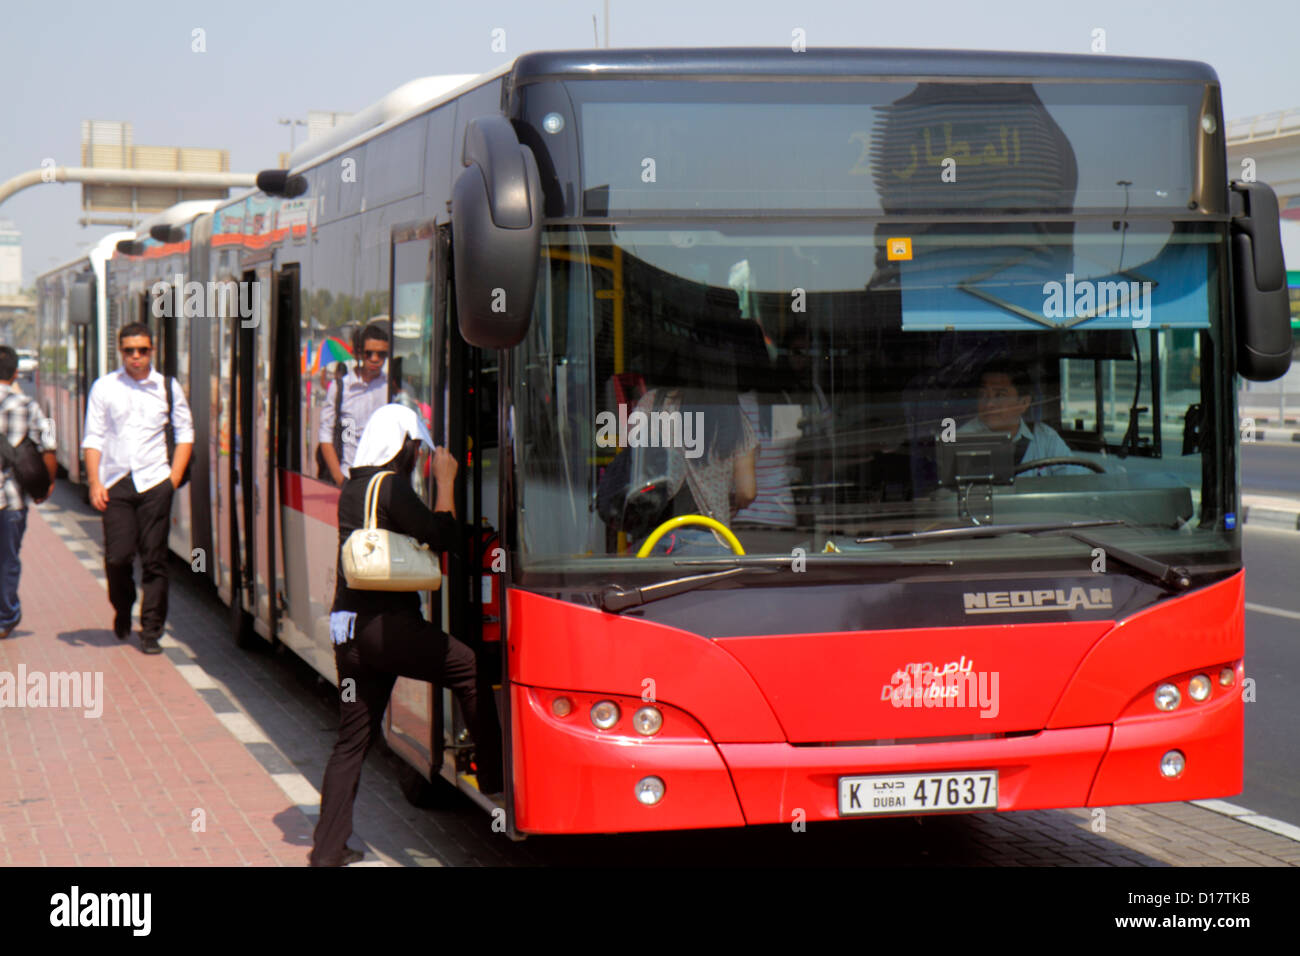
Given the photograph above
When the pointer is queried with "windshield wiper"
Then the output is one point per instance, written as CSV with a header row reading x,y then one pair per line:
x,y
820,560
1173,578
620,599
988,531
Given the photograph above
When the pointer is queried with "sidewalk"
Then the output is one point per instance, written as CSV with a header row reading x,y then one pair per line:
x,y
1272,434
155,779
1267,511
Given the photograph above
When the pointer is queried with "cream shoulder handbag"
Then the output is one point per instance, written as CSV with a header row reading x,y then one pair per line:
x,y
377,560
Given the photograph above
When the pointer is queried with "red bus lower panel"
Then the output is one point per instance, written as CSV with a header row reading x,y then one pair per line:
x,y
571,778
1051,769
1209,736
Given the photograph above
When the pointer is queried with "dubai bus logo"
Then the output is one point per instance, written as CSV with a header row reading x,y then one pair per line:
x,y
1017,602
924,684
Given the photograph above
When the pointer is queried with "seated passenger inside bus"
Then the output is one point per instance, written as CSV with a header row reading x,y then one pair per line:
x,y
1005,394
716,469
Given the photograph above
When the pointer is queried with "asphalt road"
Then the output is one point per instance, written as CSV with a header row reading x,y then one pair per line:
x,y
1272,771
1271,469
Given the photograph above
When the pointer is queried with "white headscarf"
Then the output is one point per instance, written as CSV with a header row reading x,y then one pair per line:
x,y
389,427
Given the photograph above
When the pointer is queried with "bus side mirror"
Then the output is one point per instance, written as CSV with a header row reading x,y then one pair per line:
x,y
278,182
496,232
81,302
1263,312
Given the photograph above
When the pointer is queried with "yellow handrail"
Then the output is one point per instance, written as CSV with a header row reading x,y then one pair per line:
x,y
674,523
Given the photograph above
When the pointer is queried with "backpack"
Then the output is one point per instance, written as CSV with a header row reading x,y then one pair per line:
x,y
27,466
171,435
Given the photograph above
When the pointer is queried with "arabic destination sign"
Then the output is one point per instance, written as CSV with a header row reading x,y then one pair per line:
x,y
888,147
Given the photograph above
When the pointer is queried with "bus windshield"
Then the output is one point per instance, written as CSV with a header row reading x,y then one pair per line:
x,y
811,385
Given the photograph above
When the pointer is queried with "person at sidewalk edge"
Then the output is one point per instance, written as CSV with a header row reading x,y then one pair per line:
x,y
131,480
20,417
381,635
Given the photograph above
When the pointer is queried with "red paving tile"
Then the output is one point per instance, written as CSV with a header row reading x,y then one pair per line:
x,y
119,789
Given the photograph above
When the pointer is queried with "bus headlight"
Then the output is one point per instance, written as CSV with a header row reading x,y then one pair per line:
x,y
1168,697
604,714
1172,763
561,707
1198,688
647,721
1226,677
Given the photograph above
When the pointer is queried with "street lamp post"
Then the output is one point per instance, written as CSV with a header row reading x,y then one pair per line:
x,y
291,123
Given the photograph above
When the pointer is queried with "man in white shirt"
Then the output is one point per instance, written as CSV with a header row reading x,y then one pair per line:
x,y
1004,396
364,391
132,481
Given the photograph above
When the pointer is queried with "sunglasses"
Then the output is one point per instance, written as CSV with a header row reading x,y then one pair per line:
x,y
376,353
138,350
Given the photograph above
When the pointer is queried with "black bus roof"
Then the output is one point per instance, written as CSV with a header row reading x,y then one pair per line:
x,y
832,63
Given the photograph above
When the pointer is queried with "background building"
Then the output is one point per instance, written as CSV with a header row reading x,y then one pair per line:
x,y
1268,146
110,145
11,258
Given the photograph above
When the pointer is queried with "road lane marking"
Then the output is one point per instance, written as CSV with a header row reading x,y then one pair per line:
x,y
196,677
243,729
1242,815
1288,830
298,789
1275,611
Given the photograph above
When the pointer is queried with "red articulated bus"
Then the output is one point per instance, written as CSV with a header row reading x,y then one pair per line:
x,y
843,433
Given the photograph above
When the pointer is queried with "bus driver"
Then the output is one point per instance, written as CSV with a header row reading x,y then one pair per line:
x,y
1005,393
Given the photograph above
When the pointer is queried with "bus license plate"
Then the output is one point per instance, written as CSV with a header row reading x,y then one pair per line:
x,y
919,792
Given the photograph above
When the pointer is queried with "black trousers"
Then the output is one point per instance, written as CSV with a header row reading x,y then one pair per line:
x,y
384,647
138,522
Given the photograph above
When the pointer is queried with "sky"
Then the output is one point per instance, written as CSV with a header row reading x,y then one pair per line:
x,y
265,60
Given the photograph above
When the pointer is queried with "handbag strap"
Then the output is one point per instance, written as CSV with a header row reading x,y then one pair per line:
x,y
372,501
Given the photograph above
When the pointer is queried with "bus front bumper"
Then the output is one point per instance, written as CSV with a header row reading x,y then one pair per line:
x,y
571,778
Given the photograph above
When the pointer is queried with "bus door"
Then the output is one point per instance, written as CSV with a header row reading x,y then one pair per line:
x,y
287,566
453,388
474,588
171,359
200,393
87,344
265,501
222,464
417,378
249,388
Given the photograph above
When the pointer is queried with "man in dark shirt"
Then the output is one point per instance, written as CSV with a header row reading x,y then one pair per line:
x,y
382,635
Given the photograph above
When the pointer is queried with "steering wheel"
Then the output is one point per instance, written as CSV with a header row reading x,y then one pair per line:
x,y
673,524
1047,462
